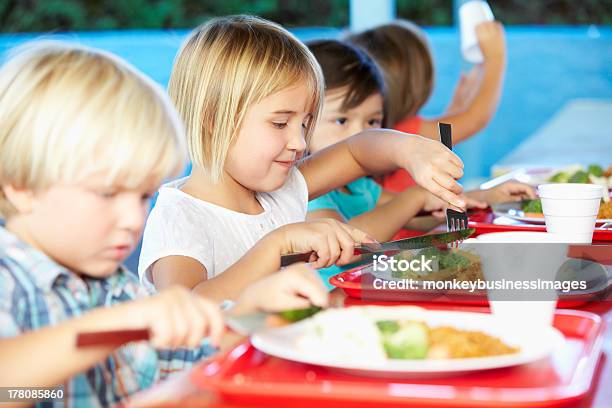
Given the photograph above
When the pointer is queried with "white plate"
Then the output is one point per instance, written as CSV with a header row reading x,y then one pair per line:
x,y
534,344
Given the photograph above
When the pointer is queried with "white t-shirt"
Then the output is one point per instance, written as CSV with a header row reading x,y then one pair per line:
x,y
181,224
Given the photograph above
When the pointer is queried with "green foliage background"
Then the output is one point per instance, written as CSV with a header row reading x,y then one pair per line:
x,y
75,15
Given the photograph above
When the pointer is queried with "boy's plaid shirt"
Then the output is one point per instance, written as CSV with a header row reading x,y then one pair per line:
x,y
36,292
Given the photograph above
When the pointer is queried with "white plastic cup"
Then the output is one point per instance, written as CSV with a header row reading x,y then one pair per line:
x,y
570,209
471,14
501,261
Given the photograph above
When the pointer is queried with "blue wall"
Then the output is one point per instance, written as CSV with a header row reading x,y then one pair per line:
x,y
547,66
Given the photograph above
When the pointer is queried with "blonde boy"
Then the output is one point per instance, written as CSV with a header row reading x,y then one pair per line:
x,y
84,142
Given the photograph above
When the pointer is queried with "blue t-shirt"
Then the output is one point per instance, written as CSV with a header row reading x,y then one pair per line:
x,y
364,194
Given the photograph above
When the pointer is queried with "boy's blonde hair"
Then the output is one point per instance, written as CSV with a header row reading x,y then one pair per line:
x,y
402,51
224,67
67,111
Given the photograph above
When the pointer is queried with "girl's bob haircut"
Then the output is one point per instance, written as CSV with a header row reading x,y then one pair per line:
x,y
67,111
225,66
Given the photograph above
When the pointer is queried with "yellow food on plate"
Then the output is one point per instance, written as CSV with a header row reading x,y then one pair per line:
x,y
376,334
605,210
448,342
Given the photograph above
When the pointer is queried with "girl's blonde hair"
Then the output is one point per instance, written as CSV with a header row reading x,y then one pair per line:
x,y
68,111
402,51
224,67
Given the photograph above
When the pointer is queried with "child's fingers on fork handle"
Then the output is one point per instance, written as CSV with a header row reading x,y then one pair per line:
x,y
453,199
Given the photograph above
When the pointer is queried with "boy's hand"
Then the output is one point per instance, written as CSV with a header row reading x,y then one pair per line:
x,y
296,287
491,40
433,167
508,191
331,241
179,318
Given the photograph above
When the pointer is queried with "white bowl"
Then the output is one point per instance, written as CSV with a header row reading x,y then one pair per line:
x,y
570,225
570,207
573,229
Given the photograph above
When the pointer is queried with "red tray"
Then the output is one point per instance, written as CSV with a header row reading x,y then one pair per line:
x,y
358,285
482,222
246,375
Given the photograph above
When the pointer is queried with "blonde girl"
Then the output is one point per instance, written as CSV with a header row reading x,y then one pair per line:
x,y
250,94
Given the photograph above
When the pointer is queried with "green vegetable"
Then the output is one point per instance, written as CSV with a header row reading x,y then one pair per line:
x,y
561,177
595,170
579,177
296,315
409,341
445,259
533,206
387,326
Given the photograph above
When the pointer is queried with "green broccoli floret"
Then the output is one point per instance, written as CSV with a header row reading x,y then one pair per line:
x,y
579,177
561,177
595,170
446,259
533,206
453,261
410,341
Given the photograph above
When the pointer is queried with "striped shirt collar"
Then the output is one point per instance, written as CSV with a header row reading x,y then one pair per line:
x,y
42,270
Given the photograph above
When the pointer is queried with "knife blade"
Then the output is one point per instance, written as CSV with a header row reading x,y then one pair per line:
x,y
366,251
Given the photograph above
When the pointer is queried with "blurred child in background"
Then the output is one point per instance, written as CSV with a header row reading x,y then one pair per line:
x,y
355,101
402,51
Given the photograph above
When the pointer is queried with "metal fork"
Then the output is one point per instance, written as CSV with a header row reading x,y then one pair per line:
x,y
455,220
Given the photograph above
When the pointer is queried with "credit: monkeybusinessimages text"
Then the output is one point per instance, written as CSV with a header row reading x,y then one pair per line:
x,y
480,285
422,266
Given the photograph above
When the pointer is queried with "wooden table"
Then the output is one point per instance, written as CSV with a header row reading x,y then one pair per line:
x,y
179,392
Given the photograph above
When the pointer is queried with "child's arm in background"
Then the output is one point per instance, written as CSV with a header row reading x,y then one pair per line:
x,y
424,223
465,90
332,242
479,199
483,104
432,165
392,213
48,357
508,191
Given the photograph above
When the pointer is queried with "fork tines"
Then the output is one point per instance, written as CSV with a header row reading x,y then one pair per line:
x,y
455,220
